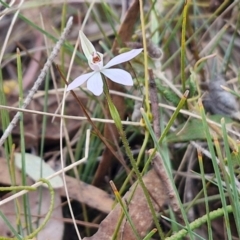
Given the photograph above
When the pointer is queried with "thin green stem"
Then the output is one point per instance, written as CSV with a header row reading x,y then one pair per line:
x,y
183,45
140,155
200,160
216,168
27,211
200,221
166,129
149,235
17,188
232,180
145,58
125,210
117,120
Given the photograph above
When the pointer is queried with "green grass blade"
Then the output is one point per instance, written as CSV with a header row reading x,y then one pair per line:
x,y
216,169
233,181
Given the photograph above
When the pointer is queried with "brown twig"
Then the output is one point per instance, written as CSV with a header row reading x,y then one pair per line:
x,y
154,104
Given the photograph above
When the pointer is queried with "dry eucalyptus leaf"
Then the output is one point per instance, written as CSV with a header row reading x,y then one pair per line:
x,y
54,228
88,194
138,210
36,168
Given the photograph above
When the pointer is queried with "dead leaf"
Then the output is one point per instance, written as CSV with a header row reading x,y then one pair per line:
x,y
138,210
88,194
37,168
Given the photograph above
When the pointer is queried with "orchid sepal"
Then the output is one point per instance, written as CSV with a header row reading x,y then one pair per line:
x,y
87,47
123,57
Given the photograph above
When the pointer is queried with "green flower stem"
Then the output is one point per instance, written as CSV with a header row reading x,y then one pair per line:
x,y
142,149
200,221
117,120
34,233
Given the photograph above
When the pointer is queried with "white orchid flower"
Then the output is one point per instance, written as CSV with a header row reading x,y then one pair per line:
x,y
95,61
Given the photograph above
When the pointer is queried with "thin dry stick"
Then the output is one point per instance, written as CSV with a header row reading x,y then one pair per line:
x,y
38,82
154,104
157,160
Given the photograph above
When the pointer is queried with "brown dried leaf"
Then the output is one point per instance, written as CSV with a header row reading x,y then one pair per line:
x,y
138,210
88,194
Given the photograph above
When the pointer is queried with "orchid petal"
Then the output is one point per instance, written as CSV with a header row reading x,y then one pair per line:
x,y
79,81
87,47
95,84
124,57
118,76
